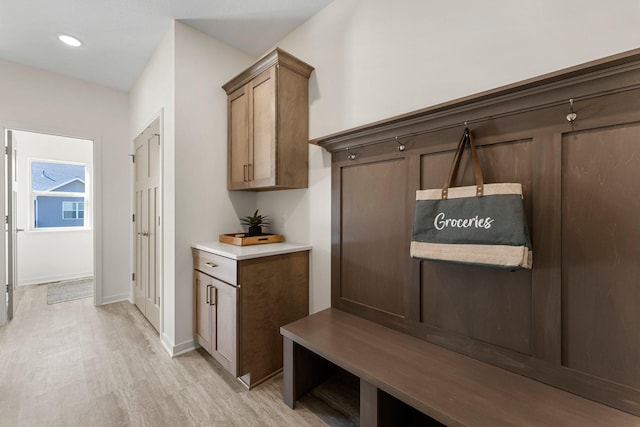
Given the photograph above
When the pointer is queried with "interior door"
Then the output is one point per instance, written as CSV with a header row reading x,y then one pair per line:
x,y
12,230
147,224
152,296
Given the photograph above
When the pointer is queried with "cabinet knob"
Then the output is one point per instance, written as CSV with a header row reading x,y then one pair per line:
x,y
210,264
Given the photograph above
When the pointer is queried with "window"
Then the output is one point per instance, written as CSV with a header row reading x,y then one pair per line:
x,y
59,194
72,210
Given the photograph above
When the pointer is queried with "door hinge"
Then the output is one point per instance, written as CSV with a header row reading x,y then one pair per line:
x,y
6,219
133,277
6,150
133,218
133,158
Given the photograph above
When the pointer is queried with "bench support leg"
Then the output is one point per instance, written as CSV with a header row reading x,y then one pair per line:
x,y
303,371
368,404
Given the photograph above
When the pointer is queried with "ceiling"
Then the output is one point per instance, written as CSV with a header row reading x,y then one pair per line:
x,y
119,36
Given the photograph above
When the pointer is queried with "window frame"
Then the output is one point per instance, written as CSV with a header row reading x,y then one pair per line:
x,y
86,195
74,210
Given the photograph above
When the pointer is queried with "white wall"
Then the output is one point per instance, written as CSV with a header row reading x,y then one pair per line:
x,y
375,58
53,254
46,102
152,96
204,207
184,79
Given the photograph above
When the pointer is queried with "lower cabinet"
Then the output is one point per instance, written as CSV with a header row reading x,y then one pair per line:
x,y
239,307
216,319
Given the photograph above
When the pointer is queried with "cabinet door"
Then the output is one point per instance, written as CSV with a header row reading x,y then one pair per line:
x,y
202,323
238,129
262,150
224,302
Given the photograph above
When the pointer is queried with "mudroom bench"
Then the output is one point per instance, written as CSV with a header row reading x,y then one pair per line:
x,y
398,372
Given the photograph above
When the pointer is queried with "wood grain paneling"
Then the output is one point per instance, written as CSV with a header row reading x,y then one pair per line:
x,y
268,124
274,292
487,304
375,253
546,218
569,322
601,253
293,128
238,132
262,152
453,389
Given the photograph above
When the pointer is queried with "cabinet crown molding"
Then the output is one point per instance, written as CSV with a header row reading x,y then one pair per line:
x,y
276,57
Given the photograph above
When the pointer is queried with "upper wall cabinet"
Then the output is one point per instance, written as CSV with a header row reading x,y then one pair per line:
x,y
268,124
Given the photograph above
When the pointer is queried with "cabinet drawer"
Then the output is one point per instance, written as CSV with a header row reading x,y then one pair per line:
x,y
215,265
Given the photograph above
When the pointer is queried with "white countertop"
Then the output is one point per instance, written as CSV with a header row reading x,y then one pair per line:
x,y
248,252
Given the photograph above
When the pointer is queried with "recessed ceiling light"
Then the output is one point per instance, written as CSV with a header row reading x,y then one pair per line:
x,y
69,40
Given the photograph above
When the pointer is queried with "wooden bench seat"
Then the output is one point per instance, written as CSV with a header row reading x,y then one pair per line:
x,y
448,387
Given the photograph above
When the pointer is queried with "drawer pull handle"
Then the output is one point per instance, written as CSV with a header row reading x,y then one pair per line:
x,y
210,264
209,294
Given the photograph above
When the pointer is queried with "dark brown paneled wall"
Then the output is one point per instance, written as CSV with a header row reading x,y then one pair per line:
x,y
373,268
573,320
601,253
491,305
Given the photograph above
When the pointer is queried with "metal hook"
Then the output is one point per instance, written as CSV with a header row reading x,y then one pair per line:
x,y
572,116
401,146
350,156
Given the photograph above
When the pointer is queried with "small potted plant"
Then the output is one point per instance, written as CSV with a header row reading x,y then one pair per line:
x,y
255,223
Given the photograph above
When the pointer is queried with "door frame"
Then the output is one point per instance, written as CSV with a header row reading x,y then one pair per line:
x,y
159,115
96,188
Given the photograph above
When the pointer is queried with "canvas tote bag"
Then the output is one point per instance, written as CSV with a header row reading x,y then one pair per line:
x,y
483,224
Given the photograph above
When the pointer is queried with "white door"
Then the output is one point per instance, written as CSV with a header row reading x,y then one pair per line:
x,y
12,231
147,223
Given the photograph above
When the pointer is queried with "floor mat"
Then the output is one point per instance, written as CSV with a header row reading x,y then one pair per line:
x,y
69,290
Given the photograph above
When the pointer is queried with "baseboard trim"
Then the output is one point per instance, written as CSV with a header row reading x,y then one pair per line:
x,y
114,298
177,350
55,278
183,348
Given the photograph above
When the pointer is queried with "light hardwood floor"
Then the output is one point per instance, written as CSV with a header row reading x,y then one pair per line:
x,y
73,364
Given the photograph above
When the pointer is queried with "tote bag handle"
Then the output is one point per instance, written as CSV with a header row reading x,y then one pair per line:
x,y
453,172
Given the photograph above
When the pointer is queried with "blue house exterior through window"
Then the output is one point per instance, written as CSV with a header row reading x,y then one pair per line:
x,y
58,194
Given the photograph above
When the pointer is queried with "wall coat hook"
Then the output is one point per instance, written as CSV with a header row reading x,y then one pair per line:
x,y
572,116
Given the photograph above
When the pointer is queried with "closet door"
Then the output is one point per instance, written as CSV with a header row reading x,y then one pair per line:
x,y
147,220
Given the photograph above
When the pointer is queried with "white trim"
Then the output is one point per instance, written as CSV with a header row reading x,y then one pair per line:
x,y
96,217
56,278
177,350
95,208
87,194
159,115
3,243
115,298
185,347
